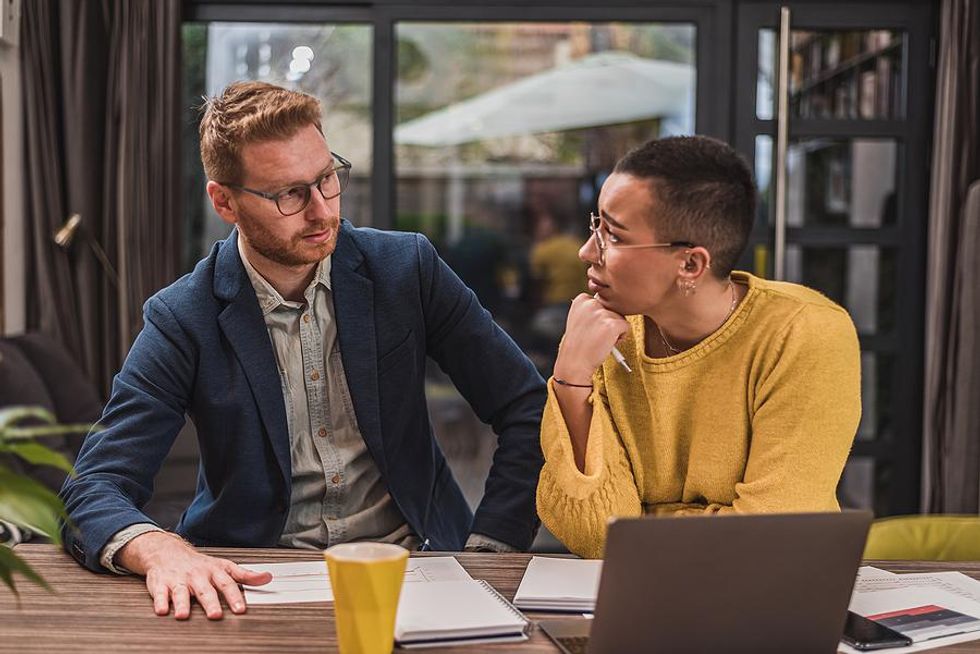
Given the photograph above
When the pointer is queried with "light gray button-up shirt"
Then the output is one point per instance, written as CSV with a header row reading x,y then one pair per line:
x,y
337,491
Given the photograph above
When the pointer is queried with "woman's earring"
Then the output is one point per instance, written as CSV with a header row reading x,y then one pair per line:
x,y
688,286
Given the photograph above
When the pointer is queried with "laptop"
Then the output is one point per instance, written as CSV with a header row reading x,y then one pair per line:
x,y
740,583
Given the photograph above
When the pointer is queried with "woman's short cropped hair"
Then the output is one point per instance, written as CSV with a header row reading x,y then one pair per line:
x,y
705,194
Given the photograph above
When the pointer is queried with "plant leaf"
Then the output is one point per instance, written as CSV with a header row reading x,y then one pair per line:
x,y
12,415
38,431
7,576
10,563
38,455
12,429
25,502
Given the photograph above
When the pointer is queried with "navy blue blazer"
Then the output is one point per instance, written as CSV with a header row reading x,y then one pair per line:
x,y
204,351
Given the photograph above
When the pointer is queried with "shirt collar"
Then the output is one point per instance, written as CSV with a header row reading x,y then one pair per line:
x,y
269,298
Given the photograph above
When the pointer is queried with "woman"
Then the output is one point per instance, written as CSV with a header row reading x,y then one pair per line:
x,y
735,394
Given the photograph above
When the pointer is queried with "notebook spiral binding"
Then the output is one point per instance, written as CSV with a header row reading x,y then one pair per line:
x,y
513,609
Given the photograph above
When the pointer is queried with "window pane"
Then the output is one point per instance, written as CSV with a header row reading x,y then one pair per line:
x,y
856,489
765,88
861,278
835,74
506,131
331,62
876,380
763,178
833,182
842,182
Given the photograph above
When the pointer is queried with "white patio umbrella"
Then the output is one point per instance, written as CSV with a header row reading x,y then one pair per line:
x,y
600,89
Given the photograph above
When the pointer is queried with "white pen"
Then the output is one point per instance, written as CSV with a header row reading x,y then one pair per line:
x,y
620,359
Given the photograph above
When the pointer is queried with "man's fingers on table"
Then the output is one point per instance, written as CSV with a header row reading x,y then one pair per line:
x,y
228,587
181,596
207,597
247,577
161,596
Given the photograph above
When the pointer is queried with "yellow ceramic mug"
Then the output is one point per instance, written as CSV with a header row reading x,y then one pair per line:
x,y
367,580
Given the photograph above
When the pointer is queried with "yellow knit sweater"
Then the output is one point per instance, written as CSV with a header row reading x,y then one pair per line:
x,y
759,417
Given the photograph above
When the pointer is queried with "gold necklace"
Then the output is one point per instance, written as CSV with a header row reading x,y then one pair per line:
x,y
671,350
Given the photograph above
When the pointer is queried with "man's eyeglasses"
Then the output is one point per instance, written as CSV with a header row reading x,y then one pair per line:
x,y
595,228
293,199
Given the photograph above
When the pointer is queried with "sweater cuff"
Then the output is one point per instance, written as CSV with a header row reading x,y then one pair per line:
x,y
559,456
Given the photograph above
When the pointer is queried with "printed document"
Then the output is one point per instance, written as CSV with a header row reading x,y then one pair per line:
x,y
308,581
933,609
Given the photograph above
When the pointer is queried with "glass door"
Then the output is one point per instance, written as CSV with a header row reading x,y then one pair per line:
x,y
504,133
843,199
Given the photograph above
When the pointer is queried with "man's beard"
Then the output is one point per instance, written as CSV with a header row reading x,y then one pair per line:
x,y
287,252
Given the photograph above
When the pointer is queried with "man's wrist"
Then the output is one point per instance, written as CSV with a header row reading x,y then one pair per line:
x,y
139,554
118,541
483,543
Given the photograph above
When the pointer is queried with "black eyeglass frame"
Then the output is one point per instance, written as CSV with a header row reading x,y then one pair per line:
x,y
344,166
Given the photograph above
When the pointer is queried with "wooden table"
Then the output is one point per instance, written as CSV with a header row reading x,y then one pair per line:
x,y
102,613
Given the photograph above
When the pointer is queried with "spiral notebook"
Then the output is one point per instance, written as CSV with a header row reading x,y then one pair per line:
x,y
456,612
553,584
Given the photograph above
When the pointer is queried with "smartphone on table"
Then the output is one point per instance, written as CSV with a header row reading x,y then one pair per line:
x,y
863,634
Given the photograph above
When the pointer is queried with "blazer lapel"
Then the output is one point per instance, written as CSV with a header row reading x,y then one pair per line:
x,y
244,327
353,294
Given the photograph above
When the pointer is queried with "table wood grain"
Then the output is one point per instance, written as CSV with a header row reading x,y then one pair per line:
x,y
90,612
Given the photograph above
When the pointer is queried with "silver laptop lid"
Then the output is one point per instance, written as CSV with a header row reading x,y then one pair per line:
x,y
758,583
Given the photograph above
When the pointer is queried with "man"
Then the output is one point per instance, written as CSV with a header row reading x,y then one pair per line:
x,y
298,348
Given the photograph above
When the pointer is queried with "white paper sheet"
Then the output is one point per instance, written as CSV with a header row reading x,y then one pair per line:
x,y
308,581
956,583
948,589
868,572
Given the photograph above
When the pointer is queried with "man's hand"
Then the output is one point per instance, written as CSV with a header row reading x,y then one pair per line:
x,y
591,332
175,571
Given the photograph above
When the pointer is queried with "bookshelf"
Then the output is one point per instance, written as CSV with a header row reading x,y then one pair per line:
x,y
860,86
847,74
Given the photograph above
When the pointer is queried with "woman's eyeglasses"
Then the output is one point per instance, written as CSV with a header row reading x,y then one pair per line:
x,y
595,226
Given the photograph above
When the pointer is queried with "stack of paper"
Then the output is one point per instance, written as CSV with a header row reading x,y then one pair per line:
x,y
551,584
933,609
308,581
440,603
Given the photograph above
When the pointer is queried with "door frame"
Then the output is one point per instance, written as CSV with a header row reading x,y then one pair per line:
x,y
901,454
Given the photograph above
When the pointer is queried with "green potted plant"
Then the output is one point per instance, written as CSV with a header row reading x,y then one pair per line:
x,y
23,501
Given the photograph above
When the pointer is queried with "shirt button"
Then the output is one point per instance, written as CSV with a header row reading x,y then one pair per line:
x,y
335,479
315,375
322,432
306,317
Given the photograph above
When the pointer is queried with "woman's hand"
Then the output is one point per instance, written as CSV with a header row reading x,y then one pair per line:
x,y
591,332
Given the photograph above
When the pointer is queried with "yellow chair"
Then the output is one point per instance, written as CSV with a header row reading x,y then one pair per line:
x,y
925,538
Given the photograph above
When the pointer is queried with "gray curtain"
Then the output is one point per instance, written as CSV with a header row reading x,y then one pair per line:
x,y
101,82
951,425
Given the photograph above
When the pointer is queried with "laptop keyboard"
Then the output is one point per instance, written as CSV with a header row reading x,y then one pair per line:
x,y
574,645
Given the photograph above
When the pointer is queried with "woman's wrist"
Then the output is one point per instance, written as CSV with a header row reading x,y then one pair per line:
x,y
562,382
572,375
